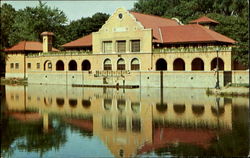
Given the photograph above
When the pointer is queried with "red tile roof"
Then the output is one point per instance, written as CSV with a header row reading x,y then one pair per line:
x,y
203,19
166,136
26,117
28,46
167,31
154,22
83,124
193,33
84,41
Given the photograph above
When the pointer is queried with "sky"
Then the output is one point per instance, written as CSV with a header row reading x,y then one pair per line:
x,y
76,9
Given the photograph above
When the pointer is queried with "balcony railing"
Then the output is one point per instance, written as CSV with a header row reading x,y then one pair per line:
x,y
192,49
61,53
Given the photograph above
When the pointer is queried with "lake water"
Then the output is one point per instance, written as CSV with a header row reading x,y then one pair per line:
x,y
64,121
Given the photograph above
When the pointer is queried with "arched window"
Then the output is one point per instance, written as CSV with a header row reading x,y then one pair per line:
x,y
121,104
220,64
162,107
86,103
197,64
198,109
60,101
107,104
86,65
179,108
179,64
59,65
135,65
48,101
161,64
47,65
121,64
72,65
217,111
107,64
135,106
72,102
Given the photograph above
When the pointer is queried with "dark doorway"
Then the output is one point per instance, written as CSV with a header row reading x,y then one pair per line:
x,y
161,64
59,65
86,65
72,65
197,64
179,64
214,64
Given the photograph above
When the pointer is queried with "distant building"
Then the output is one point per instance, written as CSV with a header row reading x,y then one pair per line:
x,y
129,49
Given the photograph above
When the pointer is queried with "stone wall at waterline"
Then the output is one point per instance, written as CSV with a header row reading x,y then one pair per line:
x,y
143,79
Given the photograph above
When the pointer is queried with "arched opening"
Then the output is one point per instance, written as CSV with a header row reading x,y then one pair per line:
x,y
86,103
107,64
220,64
60,102
179,64
161,64
86,65
135,65
72,102
198,109
135,106
197,64
107,104
217,111
121,104
47,101
179,108
59,65
121,64
161,107
47,65
72,65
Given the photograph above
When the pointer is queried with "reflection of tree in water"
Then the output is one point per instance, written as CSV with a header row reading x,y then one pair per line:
x,y
30,136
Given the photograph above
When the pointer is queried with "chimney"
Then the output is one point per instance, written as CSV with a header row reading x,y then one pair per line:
x,y
47,41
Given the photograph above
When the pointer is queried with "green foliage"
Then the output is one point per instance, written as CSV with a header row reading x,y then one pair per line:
x,y
85,26
8,14
29,23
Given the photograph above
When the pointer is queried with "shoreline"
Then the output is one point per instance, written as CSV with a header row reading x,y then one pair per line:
x,y
229,91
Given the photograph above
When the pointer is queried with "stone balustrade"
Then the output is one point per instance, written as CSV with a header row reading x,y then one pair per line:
x,y
192,49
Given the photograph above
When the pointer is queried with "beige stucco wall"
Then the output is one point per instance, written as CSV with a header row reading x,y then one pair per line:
x,y
15,58
126,28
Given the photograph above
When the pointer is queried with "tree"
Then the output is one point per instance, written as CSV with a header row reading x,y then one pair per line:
x,y
8,14
29,23
84,26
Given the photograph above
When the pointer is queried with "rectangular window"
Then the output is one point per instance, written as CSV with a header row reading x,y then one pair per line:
x,y
11,65
38,65
17,65
29,65
107,46
135,45
121,46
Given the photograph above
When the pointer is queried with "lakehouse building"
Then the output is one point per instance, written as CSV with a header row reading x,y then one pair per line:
x,y
132,49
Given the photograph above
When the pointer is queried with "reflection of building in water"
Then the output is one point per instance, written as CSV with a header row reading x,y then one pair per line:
x,y
134,121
